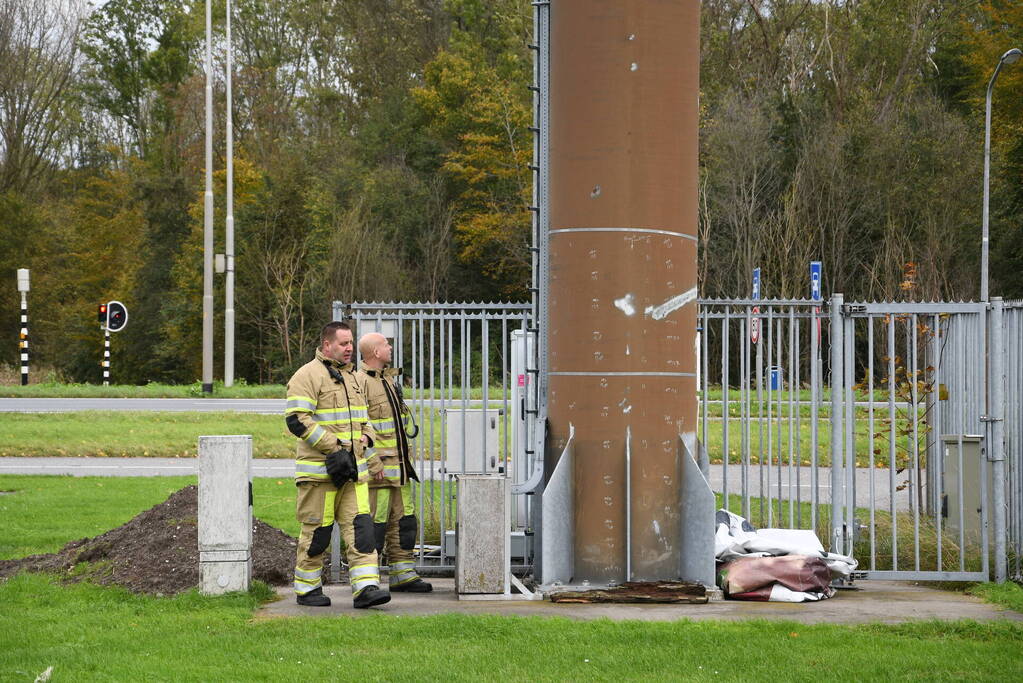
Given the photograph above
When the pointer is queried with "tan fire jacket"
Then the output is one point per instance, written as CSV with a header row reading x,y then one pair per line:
x,y
327,412
389,422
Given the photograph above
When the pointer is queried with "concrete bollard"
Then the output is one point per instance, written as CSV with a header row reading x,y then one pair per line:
x,y
482,563
225,513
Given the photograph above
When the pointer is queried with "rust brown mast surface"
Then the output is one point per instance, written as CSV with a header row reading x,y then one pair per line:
x,y
624,97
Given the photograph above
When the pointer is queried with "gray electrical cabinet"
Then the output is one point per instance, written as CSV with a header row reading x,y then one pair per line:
x,y
961,489
470,441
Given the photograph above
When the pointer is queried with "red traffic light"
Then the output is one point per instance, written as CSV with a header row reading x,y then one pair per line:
x,y
102,316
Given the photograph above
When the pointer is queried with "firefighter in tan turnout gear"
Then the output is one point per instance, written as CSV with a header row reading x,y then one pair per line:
x,y
390,494
335,461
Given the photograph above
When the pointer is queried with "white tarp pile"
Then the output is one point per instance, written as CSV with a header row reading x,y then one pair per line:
x,y
777,565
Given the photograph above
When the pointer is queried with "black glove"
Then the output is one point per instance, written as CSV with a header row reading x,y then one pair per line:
x,y
341,467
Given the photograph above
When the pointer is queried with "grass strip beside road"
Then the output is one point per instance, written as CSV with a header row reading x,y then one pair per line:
x,y
136,434
87,632
151,390
176,434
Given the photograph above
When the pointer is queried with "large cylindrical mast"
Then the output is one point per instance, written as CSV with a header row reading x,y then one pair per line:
x,y
624,96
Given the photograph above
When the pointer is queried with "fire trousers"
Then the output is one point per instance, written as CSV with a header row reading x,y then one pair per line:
x,y
318,505
396,528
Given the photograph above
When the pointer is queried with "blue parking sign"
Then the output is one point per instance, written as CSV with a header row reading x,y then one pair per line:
x,y
815,280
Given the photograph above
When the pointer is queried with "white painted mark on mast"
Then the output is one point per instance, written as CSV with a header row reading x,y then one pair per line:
x,y
671,305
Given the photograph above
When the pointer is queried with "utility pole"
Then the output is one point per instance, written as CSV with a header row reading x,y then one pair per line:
x,y
23,335
207,253
229,232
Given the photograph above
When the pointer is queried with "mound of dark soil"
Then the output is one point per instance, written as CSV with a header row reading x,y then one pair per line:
x,y
157,552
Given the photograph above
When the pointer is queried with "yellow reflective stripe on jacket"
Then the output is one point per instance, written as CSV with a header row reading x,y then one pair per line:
x,y
299,404
384,425
384,442
315,436
334,416
392,471
311,468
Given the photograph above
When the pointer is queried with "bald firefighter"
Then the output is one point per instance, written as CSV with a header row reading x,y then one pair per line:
x,y
390,494
335,461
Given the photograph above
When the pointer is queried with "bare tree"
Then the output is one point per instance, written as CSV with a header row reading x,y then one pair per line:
x,y
39,62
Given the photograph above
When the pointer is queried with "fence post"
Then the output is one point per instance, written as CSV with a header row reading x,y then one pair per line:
x,y
837,389
996,447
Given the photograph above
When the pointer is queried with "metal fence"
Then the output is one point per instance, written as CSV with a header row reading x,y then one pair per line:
x,y
1012,334
467,392
869,423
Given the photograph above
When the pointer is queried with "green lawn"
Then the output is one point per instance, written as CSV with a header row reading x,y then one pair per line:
x,y
87,632
152,390
90,633
136,434
175,434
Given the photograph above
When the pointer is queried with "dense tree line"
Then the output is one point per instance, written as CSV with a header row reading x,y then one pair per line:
x,y
382,152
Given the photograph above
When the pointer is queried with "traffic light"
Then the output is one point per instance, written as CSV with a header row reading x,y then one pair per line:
x,y
117,316
102,316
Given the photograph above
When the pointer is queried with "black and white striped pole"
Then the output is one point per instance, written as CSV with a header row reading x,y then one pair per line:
x,y
113,316
23,335
106,356
105,363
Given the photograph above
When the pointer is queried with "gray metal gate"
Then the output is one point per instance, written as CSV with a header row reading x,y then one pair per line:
x,y
880,426
1011,314
467,425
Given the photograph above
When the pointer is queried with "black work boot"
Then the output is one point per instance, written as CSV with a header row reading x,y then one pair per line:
x,y
314,598
417,585
371,596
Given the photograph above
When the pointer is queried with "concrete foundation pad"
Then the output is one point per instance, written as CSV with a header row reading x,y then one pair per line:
x,y
870,602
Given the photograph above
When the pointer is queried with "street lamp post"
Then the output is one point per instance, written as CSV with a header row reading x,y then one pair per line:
x,y
1010,57
229,227
207,241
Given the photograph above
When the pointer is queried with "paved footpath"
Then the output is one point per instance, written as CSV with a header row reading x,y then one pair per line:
x,y
869,602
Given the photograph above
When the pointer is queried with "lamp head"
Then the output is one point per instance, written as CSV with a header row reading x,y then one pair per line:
x,y
1012,56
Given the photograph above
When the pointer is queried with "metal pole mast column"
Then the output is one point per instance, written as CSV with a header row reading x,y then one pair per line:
x,y
207,242
229,227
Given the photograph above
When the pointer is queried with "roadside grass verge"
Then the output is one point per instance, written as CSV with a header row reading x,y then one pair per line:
x,y
136,434
175,434
151,390
87,632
